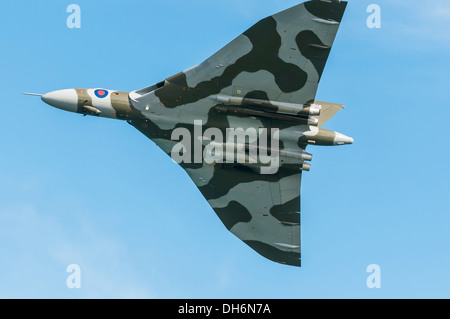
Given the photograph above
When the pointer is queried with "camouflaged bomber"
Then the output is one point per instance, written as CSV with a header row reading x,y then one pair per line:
x,y
266,78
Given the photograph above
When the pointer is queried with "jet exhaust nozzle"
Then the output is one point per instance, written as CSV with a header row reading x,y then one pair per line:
x,y
306,167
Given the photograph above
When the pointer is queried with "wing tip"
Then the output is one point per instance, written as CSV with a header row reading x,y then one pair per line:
x,y
289,258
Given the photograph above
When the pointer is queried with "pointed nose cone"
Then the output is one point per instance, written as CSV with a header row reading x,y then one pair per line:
x,y
66,100
341,139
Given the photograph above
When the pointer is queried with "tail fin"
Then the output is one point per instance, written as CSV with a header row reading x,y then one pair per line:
x,y
327,112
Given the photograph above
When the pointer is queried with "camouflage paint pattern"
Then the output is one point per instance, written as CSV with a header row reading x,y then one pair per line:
x,y
265,78
280,59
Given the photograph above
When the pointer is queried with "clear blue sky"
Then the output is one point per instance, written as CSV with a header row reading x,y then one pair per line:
x,y
97,193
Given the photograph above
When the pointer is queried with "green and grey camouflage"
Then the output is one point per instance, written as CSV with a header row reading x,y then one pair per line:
x,y
266,78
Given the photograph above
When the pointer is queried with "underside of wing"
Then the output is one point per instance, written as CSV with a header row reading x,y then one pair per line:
x,y
283,56
263,210
266,78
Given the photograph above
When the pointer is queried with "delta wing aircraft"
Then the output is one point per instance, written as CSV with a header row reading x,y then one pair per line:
x,y
264,84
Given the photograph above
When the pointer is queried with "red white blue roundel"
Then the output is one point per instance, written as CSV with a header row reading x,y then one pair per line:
x,y
101,94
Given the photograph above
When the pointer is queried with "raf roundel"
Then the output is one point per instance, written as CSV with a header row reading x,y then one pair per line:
x,y
101,94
